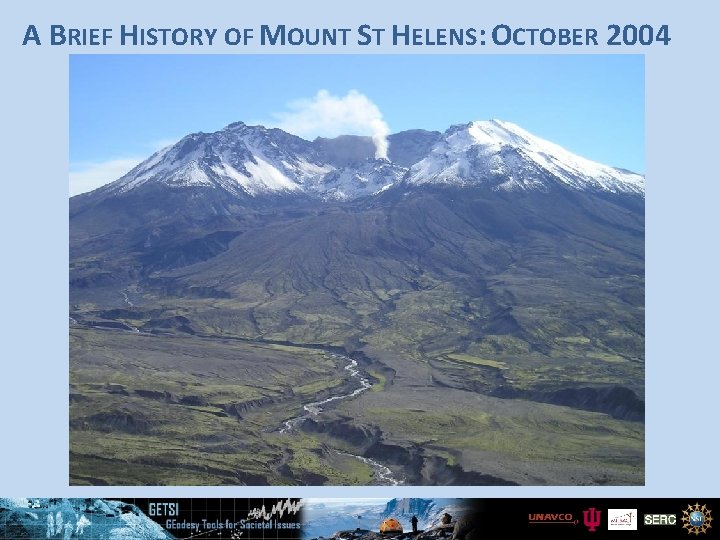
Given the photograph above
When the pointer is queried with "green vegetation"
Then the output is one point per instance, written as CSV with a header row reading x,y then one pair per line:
x,y
191,410
380,379
473,314
482,433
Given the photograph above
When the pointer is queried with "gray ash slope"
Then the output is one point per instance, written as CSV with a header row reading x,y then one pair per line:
x,y
481,234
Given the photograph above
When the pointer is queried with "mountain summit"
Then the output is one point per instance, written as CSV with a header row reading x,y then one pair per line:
x,y
253,161
511,158
489,284
264,218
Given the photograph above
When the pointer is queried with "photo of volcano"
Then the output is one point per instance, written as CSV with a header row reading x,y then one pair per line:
x,y
316,297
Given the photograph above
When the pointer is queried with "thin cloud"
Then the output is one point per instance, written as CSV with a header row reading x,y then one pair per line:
x,y
326,115
86,177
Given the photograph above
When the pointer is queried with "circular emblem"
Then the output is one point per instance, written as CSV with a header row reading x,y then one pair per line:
x,y
697,519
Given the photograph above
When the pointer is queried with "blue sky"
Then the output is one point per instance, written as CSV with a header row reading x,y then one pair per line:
x,y
125,107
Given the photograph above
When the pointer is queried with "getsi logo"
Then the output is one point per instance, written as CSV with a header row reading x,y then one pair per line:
x,y
622,519
592,518
697,519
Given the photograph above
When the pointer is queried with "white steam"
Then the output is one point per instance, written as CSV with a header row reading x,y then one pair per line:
x,y
326,115
380,134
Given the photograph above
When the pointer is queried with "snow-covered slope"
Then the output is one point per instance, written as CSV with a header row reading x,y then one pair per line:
x,y
239,159
359,180
508,157
252,161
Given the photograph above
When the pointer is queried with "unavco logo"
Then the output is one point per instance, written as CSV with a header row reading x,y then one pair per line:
x,y
562,518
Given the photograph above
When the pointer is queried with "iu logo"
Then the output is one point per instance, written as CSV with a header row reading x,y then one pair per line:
x,y
591,518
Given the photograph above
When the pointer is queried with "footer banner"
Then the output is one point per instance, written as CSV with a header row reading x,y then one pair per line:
x,y
354,519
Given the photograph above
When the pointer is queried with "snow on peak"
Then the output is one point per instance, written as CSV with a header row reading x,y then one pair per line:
x,y
370,177
252,160
237,159
498,132
512,158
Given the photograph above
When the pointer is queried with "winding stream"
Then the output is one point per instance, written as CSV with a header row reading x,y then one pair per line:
x,y
316,407
126,299
383,476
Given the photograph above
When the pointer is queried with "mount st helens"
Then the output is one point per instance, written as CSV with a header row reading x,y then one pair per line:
x,y
489,284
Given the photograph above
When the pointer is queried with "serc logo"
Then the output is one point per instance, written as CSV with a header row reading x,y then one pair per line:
x,y
697,519
592,518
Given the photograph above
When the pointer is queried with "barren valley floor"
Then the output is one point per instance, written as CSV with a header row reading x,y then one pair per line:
x,y
158,409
